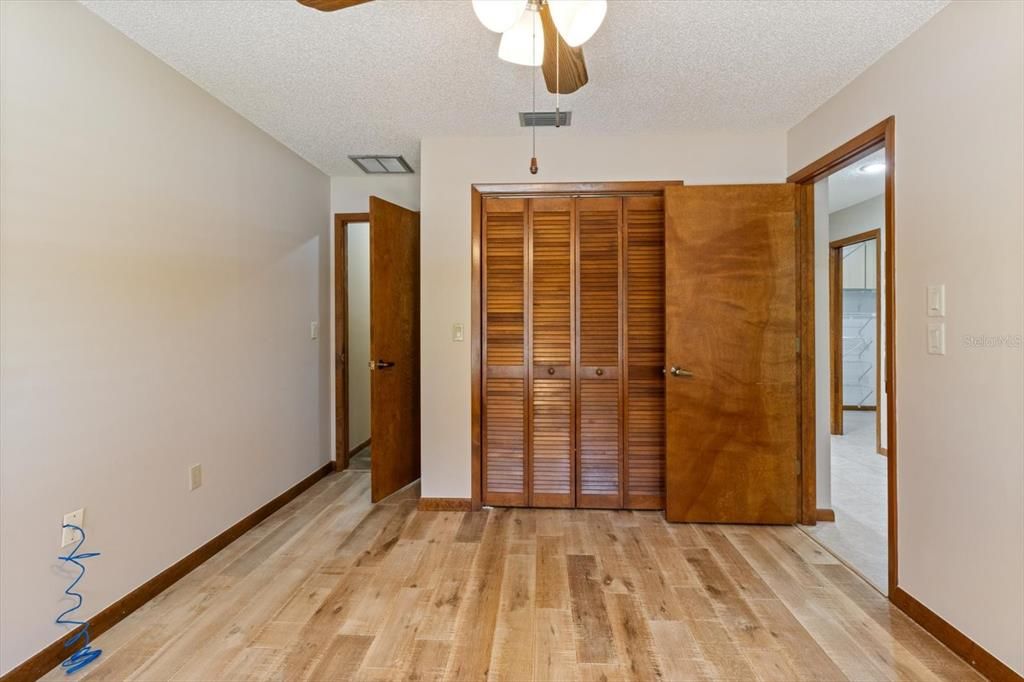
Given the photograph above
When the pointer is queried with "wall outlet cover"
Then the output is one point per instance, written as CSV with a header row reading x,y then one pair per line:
x,y
70,535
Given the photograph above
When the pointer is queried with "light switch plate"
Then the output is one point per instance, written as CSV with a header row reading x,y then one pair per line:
x,y
458,332
936,338
314,330
937,300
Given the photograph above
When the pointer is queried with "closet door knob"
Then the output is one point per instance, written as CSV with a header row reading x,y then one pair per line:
x,y
680,372
599,372
551,370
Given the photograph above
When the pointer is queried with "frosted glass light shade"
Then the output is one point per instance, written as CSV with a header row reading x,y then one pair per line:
x,y
499,15
577,20
517,43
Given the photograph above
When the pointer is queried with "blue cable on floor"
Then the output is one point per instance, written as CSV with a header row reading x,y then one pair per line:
x,y
86,654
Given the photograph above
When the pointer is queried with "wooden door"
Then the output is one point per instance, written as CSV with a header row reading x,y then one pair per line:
x,y
394,347
505,409
731,332
552,378
598,369
644,340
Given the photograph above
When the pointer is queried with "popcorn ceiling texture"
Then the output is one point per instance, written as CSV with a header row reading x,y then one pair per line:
x,y
379,77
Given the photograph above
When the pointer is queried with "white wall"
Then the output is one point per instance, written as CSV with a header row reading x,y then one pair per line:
x,y
956,88
358,253
161,260
451,165
860,217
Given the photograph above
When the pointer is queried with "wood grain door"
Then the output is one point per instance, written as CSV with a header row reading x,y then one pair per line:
x,y
394,347
505,409
552,377
731,332
599,357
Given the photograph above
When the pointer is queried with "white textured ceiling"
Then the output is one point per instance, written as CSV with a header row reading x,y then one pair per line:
x,y
379,77
851,185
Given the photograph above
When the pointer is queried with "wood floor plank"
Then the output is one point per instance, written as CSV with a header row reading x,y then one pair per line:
x,y
594,638
555,655
334,588
513,655
474,635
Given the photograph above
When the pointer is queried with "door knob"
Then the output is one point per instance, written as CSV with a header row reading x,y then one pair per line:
x,y
380,364
680,372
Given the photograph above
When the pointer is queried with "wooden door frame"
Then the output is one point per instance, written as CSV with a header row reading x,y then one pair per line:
x,y
341,223
879,136
835,329
478,192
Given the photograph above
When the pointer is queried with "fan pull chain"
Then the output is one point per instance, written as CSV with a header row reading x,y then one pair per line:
x,y
533,159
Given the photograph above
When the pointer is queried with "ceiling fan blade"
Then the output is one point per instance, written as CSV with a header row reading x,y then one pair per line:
x,y
331,5
571,69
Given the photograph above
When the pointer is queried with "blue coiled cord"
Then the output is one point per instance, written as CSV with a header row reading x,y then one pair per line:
x,y
86,654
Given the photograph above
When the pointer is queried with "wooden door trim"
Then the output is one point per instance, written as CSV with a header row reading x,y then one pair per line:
x,y
835,329
880,136
477,194
341,223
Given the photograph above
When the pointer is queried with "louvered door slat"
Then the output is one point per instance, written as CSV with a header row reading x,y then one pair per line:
x,y
551,331
645,353
505,411
599,424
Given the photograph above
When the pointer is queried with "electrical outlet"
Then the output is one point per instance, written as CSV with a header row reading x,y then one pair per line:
x,y
195,476
70,535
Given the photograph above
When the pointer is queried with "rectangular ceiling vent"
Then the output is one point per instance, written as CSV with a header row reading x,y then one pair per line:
x,y
379,164
530,119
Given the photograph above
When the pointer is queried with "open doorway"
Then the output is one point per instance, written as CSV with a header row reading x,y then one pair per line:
x,y
849,373
376,340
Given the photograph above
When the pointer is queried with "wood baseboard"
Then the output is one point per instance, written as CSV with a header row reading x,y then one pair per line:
x,y
355,451
445,504
959,643
825,515
50,657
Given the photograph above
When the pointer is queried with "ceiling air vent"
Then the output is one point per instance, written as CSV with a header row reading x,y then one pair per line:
x,y
381,164
530,119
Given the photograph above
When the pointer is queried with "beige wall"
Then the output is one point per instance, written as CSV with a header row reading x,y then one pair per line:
x,y
451,165
358,253
956,88
161,260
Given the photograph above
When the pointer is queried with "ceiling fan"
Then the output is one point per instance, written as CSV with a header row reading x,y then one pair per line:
x,y
565,25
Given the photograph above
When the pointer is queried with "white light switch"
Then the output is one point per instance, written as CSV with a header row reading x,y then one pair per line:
x,y
314,330
937,300
458,332
195,476
936,338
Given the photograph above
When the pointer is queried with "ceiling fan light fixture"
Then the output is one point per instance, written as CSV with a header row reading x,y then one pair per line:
x,y
523,44
577,20
499,15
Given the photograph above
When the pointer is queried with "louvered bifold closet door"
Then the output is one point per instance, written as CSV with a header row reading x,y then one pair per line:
x,y
505,411
551,332
599,323
644,409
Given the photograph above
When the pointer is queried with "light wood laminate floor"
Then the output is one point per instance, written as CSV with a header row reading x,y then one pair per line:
x,y
332,588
